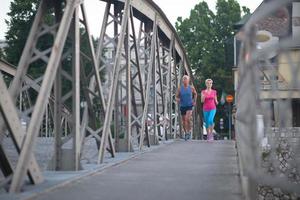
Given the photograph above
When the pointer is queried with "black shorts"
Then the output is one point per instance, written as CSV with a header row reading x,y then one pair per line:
x,y
183,110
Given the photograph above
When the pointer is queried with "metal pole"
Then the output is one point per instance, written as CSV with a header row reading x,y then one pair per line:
x,y
147,92
76,89
118,106
229,121
128,85
46,131
58,129
169,98
154,97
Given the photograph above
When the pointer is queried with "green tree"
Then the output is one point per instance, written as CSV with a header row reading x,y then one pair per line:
x,y
1,54
208,39
196,33
246,11
228,13
21,16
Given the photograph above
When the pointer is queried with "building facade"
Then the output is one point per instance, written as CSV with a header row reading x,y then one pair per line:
x,y
279,71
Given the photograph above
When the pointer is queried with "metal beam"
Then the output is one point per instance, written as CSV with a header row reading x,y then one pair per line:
x,y
44,94
76,89
97,77
13,122
22,69
145,50
112,93
147,92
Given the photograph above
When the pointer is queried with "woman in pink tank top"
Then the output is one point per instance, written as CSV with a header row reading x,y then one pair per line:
x,y
210,102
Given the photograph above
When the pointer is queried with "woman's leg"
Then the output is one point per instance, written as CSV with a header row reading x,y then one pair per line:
x,y
205,116
209,133
211,117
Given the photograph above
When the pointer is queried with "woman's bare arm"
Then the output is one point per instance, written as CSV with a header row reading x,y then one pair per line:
x,y
216,100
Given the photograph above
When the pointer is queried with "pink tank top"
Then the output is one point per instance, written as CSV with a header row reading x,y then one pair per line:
x,y
209,101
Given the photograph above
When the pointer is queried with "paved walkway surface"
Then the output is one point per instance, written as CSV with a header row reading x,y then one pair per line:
x,y
193,170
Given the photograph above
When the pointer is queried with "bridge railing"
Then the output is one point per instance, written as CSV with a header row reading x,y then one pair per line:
x,y
95,97
267,118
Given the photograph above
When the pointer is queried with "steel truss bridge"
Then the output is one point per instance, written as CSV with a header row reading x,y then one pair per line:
x,y
118,92
72,91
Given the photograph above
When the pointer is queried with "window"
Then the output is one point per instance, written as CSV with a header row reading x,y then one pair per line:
x,y
296,112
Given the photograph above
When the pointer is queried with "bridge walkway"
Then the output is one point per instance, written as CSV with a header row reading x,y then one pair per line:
x,y
192,170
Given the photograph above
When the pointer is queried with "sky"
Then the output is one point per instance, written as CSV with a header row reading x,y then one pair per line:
x,y
95,9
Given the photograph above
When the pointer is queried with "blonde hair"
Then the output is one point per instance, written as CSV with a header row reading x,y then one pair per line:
x,y
209,79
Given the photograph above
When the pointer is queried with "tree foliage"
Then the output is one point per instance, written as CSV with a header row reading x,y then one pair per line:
x,y
196,33
21,16
246,11
1,54
208,38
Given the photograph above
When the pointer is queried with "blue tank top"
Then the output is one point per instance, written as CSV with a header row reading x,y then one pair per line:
x,y
186,96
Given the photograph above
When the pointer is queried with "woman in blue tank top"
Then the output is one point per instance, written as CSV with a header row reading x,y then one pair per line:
x,y
186,97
